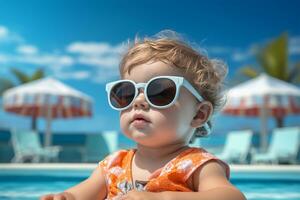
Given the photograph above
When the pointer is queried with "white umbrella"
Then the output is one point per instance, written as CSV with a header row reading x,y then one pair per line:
x,y
47,98
263,96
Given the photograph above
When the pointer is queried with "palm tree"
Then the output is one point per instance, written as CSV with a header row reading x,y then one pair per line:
x,y
22,78
273,60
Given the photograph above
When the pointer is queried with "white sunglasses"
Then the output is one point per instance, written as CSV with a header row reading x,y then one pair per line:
x,y
160,92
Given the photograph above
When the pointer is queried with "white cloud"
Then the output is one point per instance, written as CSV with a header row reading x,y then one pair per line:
x,y
102,56
78,75
100,60
240,56
3,32
97,54
58,65
107,62
46,60
7,36
94,48
103,76
27,49
293,47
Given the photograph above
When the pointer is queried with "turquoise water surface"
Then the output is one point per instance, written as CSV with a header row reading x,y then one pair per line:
x,y
31,184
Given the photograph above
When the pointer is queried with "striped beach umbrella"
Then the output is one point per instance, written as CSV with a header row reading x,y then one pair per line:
x,y
47,98
261,97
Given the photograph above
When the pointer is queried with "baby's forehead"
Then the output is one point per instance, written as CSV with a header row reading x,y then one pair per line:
x,y
147,71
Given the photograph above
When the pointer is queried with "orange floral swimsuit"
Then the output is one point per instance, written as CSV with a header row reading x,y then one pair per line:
x,y
172,177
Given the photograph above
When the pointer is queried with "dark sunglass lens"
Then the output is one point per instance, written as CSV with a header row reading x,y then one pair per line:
x,y
161,92
122,94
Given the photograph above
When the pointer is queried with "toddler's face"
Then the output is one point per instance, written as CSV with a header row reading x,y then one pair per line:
x,y
161,126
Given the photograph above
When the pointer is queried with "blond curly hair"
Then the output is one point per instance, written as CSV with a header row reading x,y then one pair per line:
x,y
207,74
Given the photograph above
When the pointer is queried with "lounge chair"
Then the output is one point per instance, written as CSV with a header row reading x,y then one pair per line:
x,y
97,146
27,146
237,146
284,147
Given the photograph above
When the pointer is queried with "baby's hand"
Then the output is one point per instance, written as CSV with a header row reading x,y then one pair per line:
x,y
60,196
138,195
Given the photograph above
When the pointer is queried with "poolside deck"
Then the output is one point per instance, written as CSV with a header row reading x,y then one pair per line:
x,y
84,170
87,166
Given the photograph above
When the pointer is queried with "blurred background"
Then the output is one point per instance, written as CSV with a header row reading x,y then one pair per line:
x,y
80,44
75,48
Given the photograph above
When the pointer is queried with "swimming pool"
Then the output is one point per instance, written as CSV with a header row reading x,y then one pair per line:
x,y
266,183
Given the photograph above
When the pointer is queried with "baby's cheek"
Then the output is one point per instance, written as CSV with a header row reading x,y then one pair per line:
x,y
124,122
168,122
179,122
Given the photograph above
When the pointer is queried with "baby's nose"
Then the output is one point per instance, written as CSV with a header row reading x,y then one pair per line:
x,y
140,101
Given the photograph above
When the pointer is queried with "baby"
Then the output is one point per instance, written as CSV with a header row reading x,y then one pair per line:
x,y
166,96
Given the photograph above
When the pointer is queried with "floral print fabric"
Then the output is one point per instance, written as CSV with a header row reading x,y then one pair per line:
x,y
172,177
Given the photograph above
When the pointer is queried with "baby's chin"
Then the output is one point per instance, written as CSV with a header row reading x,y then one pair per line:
x,y
148,138
140,134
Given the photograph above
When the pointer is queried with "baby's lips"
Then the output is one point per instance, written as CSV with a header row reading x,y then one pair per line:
x,y
140,116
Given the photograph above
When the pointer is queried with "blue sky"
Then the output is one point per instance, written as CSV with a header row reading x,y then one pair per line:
x,y
79,43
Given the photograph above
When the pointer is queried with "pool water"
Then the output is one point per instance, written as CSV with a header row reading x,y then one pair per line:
x,y
32,186
270,190
253,191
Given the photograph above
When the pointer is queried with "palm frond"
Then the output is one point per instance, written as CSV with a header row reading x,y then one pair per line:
x,y
274,57
22,77
38,74
249,71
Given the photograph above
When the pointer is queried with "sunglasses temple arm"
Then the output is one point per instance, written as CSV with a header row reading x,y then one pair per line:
x,y
200,98
192,90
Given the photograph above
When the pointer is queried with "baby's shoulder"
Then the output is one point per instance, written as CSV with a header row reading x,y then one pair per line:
x,y
194,159
208,161
196,155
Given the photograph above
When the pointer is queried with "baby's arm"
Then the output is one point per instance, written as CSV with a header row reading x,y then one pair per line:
x,y
92,188
213,185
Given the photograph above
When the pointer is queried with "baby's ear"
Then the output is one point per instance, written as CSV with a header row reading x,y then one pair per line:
x,y
204,110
